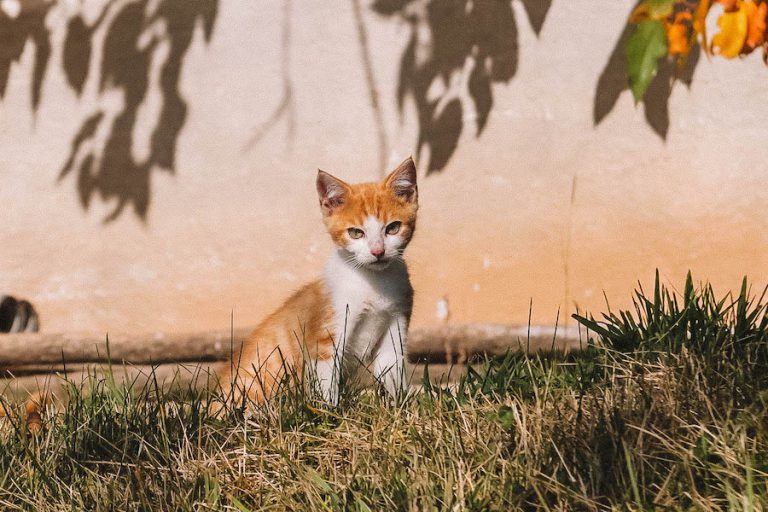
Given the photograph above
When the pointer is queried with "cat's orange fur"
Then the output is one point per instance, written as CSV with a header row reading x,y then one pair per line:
x,y
371,199
275,349
305,329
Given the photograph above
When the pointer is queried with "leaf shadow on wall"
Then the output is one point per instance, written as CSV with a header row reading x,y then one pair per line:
x,y
457,50
613,81
15,32
109,168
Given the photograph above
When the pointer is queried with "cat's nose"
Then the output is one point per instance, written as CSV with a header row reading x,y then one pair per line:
x,y
378,252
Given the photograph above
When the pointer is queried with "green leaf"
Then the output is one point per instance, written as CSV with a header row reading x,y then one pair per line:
x,y
647,44
361,506
237,504
593,326
318,480
701,450
506,417
660,8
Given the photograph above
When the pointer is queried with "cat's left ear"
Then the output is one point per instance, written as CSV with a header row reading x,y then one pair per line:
x,y
402,181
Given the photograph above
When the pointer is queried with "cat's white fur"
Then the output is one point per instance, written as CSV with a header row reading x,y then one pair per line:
x,y
372,309
375,238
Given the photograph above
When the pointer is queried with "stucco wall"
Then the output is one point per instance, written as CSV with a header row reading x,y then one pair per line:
x,y
542,205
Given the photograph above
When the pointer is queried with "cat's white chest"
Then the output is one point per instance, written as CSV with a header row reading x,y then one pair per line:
x,y
367,304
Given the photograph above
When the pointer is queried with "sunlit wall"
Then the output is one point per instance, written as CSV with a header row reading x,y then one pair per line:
x,y
158,157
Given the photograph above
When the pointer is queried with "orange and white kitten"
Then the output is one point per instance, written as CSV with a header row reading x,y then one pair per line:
x,y
357,314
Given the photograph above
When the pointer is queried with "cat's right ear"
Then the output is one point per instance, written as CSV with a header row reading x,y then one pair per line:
x,y
331,191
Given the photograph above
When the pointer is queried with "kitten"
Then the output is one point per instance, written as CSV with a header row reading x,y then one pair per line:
x,y
357,314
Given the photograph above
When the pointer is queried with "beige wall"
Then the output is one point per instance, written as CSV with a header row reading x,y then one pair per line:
x,y
236,226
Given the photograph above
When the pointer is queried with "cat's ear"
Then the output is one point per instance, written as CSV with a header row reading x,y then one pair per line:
x,y
402,181
331,191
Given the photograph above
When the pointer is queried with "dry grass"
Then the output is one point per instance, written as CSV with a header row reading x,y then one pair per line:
x,y
614,427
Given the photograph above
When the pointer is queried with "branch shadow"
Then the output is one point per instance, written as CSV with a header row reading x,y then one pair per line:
x,y
110,170
457,50
613,82
285,107
15,32
102,150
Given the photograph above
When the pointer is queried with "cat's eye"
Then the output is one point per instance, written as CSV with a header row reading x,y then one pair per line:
x,y
355,233
393,227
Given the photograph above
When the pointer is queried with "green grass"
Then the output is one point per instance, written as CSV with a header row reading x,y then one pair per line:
x,y
666,408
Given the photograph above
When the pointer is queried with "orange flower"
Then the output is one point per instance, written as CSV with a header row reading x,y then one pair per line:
x,y
756,15
677,34
678,39
730,5
733,32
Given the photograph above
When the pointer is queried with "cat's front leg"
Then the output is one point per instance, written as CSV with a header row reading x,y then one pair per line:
x,y
327,374
389,361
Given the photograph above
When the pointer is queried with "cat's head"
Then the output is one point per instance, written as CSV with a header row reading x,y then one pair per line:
x,y
372,222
